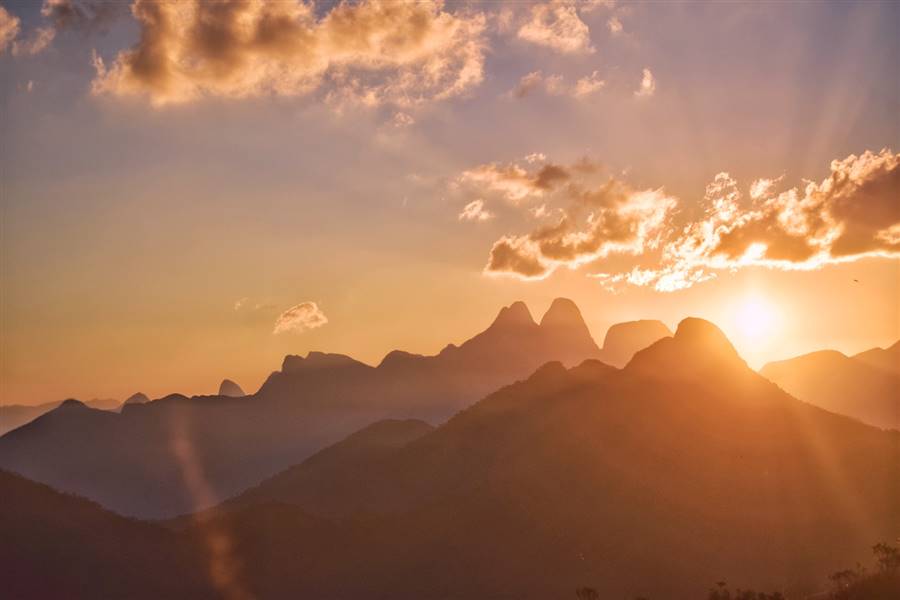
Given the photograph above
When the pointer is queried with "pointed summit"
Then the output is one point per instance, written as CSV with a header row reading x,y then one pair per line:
x,y
564,328
231,389
562,313
514,314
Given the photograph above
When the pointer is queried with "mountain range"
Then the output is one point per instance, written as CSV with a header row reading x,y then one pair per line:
x,y
865,386
139,462
657,480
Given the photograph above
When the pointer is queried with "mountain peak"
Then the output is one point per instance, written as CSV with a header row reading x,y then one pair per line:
x,y
138,398
563,327
698,346
514,314
72,403
562,312
231,389
702,334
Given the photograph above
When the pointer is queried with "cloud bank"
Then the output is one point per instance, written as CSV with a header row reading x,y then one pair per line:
x,y
852,214
300,318
370,52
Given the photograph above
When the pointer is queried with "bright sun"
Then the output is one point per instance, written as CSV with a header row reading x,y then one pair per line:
x,y
756,318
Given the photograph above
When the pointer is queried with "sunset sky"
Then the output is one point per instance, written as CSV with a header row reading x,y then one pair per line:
x,y
190,193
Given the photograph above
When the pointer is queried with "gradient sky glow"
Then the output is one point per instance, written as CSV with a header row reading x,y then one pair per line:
x,y
150,244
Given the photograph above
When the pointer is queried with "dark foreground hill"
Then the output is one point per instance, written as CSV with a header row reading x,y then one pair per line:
x,y
683,469
865,386
142,462
54,545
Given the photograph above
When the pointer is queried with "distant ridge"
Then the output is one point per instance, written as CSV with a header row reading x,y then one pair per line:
x,y
13,416
865,386
311,402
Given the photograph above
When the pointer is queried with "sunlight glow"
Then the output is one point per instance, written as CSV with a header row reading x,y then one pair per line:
x,y
756,318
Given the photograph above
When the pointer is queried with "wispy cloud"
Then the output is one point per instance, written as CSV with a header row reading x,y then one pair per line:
x,y
557,26
300,318
556,85
648,85
475,211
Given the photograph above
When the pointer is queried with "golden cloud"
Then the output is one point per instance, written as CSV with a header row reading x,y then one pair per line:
x,y
852,214
648,85
611,218
557,26
300,318
371,52
9,29
555,85
475,211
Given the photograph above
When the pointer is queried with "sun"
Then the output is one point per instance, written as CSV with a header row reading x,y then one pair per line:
x,y
756,318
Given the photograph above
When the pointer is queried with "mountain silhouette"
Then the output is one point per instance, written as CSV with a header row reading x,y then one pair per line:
x,y
230,389
13,416
887,359
865,386
137,462
624,339
136,398
684,468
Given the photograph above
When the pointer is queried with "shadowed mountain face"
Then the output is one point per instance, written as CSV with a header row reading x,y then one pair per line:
x,y
13,416
865,386
683,469
53,545
624,339
177,454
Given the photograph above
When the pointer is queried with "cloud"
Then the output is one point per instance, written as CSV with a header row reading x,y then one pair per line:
x,y
614,25
39,41
516,183
555,85
62,14
853,213
601,220
475,211
557,26
368,53
300,318
648,85
9,29
82,14
401,120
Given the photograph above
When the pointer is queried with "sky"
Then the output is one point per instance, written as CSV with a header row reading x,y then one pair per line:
x,y
189,191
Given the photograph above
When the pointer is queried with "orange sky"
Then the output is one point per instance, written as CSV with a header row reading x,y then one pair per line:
x,y
156,230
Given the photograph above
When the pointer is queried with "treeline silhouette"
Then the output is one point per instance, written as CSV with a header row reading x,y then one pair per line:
x,y
857,583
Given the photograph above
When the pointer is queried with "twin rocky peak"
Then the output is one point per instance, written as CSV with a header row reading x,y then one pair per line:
x,y
561,335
